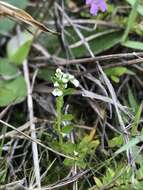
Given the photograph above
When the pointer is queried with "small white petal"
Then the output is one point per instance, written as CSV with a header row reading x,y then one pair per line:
x,y
71,77
65,85
56,84
75,153
58,70
65,75
75,82
65,80
57,92
59,73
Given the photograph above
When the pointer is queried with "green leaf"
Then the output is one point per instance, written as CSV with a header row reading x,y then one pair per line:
x,y
129,145
140,7
115,71
87,145
18,47
20,4
111,172
115,79
93,144
5,24
98,182
116,141
81,163
100,43
46,74
69,162
132,100
136,120
131,20
13,91
133,44
67,117
8,71
68,147
67,129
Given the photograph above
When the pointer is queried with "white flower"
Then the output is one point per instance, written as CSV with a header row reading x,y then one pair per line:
x,y
58,70
56,84
65,78
57,92
62,80
59,73
75,82
71,77
75,153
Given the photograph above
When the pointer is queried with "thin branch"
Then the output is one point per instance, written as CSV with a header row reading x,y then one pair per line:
x,y
32,124
36,141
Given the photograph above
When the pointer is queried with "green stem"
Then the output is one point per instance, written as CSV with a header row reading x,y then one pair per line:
x,y
59,116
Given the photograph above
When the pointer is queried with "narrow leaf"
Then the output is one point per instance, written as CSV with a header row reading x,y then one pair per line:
x,y
131,20
129,145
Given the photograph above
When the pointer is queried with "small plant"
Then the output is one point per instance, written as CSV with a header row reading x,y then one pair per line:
x,y
63,123
61,81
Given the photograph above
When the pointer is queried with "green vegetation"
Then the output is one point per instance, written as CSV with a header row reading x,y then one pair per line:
x,y
71,104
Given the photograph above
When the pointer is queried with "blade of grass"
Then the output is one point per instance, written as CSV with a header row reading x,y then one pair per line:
x,y
137,118
131,20
129,145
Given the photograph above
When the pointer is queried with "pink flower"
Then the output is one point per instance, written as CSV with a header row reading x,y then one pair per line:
x,y
95,5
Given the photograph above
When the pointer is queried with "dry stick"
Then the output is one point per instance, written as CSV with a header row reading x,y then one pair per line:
x,y
61,61
13,133
124,63
89,22
15,185
8,10
77,31
65,181
32,124
97,58
36,141
3,112
120,119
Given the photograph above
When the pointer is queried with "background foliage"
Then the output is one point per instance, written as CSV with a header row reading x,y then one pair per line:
x,y
91,136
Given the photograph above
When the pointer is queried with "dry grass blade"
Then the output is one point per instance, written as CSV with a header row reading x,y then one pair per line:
x,y
8,10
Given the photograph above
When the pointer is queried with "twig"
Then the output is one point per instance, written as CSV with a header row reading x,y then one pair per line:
x,y
90,60
65,181
13,133
77,31
88,22
118,112
36,141
32,124
3,112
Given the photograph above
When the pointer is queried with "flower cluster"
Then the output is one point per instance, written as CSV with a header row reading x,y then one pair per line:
x,y
61,80
95,5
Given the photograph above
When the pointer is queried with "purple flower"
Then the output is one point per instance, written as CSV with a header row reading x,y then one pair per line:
x,y
95,5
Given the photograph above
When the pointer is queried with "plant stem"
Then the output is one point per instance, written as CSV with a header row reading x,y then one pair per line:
x,y
59,116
